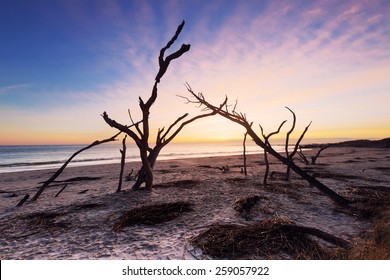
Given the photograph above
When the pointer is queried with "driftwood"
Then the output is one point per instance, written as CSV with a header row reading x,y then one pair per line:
x,y
59,171
123,153
302,156
314,158
267,143
83,191
63,188
295,150
24,199
241,119
244,152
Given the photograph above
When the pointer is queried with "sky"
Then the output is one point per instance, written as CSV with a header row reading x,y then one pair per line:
x,y
63,63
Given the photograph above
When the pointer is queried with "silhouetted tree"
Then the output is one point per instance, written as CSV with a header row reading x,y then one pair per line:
x,y
141,130
266,142
241,119
313,158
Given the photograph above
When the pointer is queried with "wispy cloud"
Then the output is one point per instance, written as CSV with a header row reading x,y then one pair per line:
x,y
309,55
11,88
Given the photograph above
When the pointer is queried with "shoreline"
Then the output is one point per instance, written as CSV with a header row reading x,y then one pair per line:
x,y
55,156
79,222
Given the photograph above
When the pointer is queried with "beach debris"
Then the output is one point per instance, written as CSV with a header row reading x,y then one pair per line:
x,y
224,168
266,141
313,158
83,191
369,201
46,220
62,168
24,199
274,238
123,159
244,169
243,205
63,188
178,184
241,119
152,214
130,176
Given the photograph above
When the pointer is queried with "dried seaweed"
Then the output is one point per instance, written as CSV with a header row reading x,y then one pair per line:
x,y
152,214
177,184
269,239
243,205
45,220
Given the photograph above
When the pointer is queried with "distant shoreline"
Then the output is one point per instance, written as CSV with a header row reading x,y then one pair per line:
x,y
363,143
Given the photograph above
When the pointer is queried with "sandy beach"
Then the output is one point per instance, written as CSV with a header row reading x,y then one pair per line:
x,y
79,222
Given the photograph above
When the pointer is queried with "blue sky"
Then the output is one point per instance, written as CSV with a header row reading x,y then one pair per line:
x,y
65,62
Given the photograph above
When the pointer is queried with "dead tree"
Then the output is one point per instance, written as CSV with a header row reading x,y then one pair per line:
x,y
241,119
59,171
296,147
302,156
140,134
244,152
123,158
266,141
314,158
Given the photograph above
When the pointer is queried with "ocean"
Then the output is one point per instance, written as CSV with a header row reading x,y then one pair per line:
x,y
35,157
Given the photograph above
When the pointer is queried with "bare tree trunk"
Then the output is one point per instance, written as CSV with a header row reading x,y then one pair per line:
x,y
123,158
266,143
287,142
244,152
140,135
266,168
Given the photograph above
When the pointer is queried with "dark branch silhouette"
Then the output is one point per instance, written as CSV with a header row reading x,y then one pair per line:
x,y
59,171
141,134
242,120
123,158
266,141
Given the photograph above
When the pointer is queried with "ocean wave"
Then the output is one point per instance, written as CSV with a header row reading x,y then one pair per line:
x,y
56,162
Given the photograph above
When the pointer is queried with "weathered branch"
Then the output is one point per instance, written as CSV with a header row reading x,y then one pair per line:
x,y
295,150
266,140
302,156
164,63
244,151
59,171
299,141
63,188
136,125
122,128
318,233
172,125
314,158
123,158
290,131
287,161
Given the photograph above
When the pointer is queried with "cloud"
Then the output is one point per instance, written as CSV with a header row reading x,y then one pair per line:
x,y
7,89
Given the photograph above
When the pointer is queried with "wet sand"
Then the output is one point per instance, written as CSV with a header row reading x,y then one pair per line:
x,y
79,222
